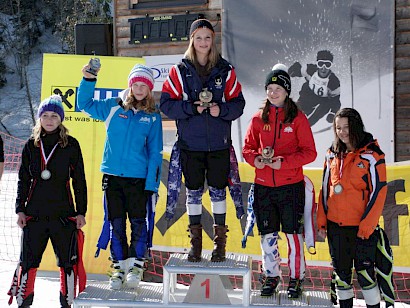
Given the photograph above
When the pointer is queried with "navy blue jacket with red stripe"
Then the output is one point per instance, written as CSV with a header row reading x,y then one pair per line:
x,y
202,132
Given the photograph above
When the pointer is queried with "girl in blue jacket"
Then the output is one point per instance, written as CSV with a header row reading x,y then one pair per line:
x,y
131,165
203,95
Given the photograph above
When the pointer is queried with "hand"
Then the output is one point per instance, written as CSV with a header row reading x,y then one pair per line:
x,y
322,233
258,162
21,220
80,219
295,70
214,110
200,108
87,74
277,163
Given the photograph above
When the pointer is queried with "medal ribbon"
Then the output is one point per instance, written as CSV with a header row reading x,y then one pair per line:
x,y
44,158
341,167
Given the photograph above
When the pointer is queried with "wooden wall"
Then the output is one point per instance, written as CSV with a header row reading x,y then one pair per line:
x,y
213,9
402,81
122,28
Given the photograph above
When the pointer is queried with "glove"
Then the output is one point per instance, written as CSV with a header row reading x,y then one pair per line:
x,y
244,241
295,70
240,212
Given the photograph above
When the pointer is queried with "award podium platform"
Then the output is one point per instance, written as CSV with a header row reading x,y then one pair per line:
x,y
210,287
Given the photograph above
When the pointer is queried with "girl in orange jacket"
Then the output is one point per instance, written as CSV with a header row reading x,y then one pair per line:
x,y
351,202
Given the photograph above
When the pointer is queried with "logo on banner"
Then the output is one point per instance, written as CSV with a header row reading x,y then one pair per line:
x,y
68,97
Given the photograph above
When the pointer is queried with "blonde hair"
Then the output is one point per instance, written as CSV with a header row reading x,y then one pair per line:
x,y
213,56
37,132
147,104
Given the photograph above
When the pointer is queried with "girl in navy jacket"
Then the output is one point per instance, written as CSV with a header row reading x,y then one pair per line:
x,y
203,96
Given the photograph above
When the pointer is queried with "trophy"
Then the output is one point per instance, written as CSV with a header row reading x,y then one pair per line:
x,y
205,97
95,65
267,155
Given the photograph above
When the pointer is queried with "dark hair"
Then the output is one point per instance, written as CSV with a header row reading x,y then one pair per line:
x,y
356,129
290,108
324,55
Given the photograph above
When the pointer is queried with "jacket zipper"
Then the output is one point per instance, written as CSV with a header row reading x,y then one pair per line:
x,y
274,142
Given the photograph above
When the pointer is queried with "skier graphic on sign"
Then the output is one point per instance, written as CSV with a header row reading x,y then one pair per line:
x,y
320,95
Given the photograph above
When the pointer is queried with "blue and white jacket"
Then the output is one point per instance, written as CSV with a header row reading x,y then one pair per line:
x,y
133,144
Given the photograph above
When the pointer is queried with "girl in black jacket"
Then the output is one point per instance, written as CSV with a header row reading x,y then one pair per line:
x,y
45,206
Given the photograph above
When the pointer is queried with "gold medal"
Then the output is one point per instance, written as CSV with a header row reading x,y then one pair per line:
x,y
338,189
312,250
205,97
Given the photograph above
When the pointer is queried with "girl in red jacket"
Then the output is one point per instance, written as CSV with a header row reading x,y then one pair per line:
x,y
278,143
351,202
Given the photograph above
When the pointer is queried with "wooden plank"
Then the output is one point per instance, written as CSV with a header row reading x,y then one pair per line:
x,y
403,25
402,88
402,50
400,104
403,74
403,138
402,12
402,63
402,3
402,37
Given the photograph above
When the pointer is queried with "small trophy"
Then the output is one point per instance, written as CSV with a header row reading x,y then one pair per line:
x,y
267,155
205,97
95,65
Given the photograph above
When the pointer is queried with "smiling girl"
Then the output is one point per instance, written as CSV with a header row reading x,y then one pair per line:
x,y
279,192
50,160
131,167
203,95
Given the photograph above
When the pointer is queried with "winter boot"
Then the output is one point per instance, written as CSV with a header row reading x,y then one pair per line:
x,y
218,254
68,279
270,286
135,272
117,275
195,233
373,306
295,288
346,303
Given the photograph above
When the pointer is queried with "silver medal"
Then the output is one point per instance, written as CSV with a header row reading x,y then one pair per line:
x,y
45,174
338,189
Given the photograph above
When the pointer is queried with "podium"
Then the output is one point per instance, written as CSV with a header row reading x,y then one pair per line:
x,y
234,265
210,287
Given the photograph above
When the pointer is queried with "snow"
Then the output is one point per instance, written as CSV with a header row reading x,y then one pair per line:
x,y
15,115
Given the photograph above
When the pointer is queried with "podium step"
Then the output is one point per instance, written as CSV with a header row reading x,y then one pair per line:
x,y
204,289
200,293
99,294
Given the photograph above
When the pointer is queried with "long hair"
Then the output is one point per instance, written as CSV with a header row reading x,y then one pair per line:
x,y
147,104
356,129
290,108
38,131
213,56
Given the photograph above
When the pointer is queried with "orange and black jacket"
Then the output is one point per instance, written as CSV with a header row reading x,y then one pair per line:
x,y
293,141
362,174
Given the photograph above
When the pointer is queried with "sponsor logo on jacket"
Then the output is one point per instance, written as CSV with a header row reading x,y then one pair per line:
x,y
145,120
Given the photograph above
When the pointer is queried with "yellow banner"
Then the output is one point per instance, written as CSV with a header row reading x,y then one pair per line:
x,y
62,74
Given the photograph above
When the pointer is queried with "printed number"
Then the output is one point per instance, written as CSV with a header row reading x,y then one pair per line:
x,y
206,283
319,91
